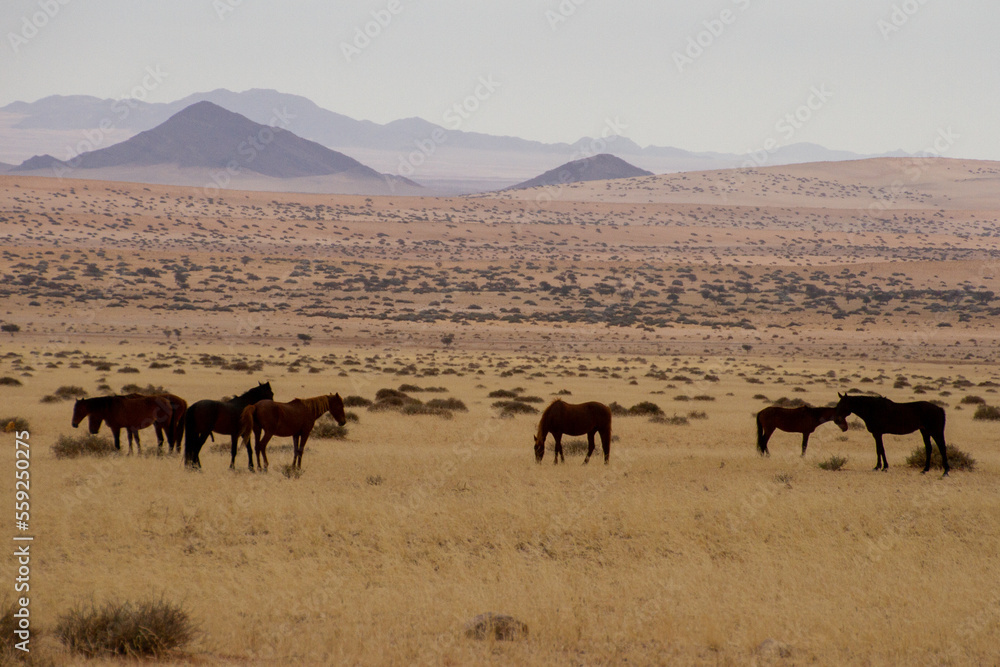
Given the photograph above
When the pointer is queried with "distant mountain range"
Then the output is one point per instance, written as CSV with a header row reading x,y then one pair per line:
x,y
443,159
597,168
208,145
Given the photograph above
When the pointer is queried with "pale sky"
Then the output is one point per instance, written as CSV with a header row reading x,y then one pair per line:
x,y
879,75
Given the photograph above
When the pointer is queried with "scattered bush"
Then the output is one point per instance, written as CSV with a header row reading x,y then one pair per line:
x,y
70,392
957,459
785,402
357,402
972,400
143,629
148,390
7,381
987,413
422,409
645,408
409,388
511,408
503,393
326,428
704,397
14,424
374,480
447,404
682,397
617,409
71,447
386,394
578,446
128,369
697,414
676,420
833,463
856,425
290,471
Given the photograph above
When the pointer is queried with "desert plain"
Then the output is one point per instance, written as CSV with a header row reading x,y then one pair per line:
x,y
711,295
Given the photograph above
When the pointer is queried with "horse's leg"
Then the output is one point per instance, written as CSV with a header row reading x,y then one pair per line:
x,y
880,453
590,446
138,445
765,436
558,450
159,435
606,444
262,450
302,447
805,441
117,432
944,451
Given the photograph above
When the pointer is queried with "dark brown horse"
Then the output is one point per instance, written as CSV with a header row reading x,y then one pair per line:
x,y
295,419
573,419
223,417
804,419
883,416
134,412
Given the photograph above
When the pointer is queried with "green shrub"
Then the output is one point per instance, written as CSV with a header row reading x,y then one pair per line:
x,y
987,413
71,447
143,629
957,459
833,463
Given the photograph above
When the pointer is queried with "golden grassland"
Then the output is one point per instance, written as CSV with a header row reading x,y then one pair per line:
x,y
687,549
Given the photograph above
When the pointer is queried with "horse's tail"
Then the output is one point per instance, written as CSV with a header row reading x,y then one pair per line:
x,y
246,421
177,422
761,446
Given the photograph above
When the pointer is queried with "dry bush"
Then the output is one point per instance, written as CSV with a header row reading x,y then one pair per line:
x,y
833,463
421,409
326,428
515,408
7,381
14,424
617,409
987,413
676,420
71,447
454,404
503,393
646,408
357,402
972,400
957,459
135,630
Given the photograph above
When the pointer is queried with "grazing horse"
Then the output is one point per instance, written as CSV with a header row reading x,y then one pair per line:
x,y
804,419
295,419
883,416
573,419
133,412
223,417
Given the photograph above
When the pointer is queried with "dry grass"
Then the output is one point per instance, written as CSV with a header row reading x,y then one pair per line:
x,y
687,548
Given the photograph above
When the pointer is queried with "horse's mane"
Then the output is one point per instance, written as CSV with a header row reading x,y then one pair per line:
x,y
545,413
317,404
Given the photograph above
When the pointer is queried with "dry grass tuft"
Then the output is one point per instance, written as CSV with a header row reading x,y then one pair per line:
x,y
134,630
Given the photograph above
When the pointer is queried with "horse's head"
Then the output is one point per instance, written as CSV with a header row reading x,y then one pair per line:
x,y
842,410
262,392
539,446
336,408
79,412
840,421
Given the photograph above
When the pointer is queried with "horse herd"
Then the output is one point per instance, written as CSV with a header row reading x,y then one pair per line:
x,y
256,412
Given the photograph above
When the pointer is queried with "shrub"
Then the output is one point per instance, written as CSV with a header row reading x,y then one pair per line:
x,y
682,397
972,400
7,381
409,388
704,397
785,402
515,407
645,408
327,429
617,409
148,390
447,404
290,471
987,413
128,369
856,425
957,459
578,447
14,424
531,399
70,392
676,420
383,394
421,409
357,402
70,447
697,414
833,463
502,393
151,628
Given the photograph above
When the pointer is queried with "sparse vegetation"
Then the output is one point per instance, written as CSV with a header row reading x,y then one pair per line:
x,y
14,424
71,447
645,409
987,413
957,459
835,462
126,629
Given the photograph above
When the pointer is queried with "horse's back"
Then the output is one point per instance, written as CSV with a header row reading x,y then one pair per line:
x,y
577,418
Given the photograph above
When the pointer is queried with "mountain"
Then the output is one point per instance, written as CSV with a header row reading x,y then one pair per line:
x,y
436,154
204,141
4,167
595,168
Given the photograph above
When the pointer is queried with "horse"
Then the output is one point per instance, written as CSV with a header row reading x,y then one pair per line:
x,y
804,419
133,412
295,419
223,417
882,416
573,419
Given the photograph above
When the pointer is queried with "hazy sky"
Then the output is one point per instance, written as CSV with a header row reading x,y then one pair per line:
x,y
725,75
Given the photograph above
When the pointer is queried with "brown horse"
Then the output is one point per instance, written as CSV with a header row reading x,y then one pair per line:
x,y
804,420
573,419
295,419
133,412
